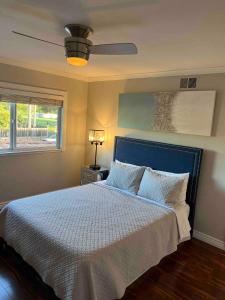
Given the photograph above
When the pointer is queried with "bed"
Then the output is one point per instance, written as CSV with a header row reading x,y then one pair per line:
x,y
91,242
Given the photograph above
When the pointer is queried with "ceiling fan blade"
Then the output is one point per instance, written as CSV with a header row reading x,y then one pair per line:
x,y
114,49
34,38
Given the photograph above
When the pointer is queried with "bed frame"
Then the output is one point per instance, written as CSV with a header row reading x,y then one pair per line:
x,y
163,157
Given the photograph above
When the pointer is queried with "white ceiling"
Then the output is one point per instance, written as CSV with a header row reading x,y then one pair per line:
x,y
173,36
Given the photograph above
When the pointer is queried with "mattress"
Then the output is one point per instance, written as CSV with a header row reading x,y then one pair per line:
x,y
93,241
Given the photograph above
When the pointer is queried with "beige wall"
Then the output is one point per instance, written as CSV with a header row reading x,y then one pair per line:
x,y
28,174
102,113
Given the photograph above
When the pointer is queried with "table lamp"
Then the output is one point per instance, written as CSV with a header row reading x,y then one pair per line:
x,y
96,137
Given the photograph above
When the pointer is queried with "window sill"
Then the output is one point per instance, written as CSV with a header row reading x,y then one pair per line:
x,y
29,151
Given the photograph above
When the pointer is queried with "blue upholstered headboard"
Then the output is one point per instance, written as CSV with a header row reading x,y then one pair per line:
x,y
164,157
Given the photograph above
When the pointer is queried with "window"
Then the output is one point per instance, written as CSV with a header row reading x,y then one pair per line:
x,y
29,122
36,126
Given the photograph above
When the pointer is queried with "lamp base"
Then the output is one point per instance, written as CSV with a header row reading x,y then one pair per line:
x,y
95,167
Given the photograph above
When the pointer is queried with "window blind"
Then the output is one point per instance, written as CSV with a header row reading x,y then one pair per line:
x,y
13,98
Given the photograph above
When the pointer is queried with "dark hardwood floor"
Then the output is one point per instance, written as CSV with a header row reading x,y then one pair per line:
x,y
195,272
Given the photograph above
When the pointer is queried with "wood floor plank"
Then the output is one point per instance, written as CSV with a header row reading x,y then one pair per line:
x,y
195,272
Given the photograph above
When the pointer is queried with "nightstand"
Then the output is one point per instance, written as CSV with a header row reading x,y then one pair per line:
x,y
88,175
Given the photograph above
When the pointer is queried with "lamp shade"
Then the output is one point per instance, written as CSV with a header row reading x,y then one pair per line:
x,y
96,136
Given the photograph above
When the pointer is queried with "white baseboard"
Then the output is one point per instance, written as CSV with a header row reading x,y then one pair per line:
x,y
209,239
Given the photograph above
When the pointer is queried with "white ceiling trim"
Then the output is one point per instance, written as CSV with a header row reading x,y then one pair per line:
x,y
174,72
34,67
178,72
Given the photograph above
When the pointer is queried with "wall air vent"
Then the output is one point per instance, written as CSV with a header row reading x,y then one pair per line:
x,y
188,83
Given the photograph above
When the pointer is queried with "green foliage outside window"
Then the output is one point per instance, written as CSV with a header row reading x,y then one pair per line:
x,y
4,115
24,112
26,116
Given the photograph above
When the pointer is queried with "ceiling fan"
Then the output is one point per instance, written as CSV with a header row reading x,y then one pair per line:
x,y
78,47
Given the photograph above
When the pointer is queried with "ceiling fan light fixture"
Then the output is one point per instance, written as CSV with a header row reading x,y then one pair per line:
x,y
77,61
77,50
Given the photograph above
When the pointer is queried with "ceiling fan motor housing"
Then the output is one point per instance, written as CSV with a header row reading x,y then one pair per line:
x,y
78,30
77,47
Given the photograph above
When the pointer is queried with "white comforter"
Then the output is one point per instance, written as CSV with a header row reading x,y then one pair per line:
x,y
90,242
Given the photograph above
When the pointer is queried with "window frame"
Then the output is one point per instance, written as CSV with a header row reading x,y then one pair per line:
x,y
30,91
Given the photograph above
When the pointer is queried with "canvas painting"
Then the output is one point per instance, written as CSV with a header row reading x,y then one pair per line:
x,y
189,112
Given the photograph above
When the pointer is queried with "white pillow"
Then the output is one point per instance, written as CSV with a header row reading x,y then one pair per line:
x,y
125,164
164,187
125,176
182,176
